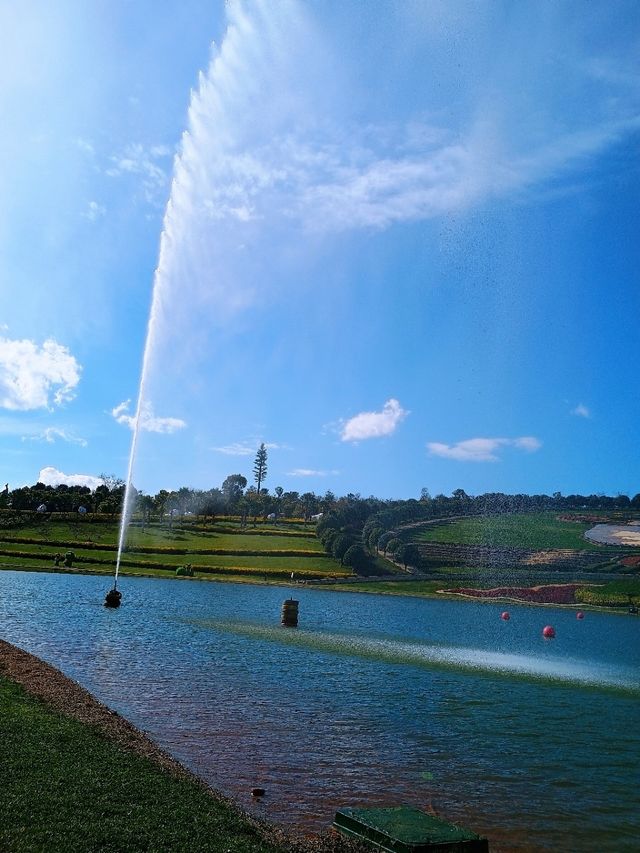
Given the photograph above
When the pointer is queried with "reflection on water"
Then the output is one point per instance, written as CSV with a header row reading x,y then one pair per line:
x,y
373,701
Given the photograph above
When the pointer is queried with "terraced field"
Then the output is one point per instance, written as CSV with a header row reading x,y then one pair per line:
x,y
525,543
224,549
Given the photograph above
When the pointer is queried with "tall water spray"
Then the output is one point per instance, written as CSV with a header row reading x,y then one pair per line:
x,y
217,186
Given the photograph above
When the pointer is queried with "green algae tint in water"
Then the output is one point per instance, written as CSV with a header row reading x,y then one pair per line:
x,y
373,701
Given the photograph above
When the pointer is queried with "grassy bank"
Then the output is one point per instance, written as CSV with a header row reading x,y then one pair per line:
x,y
67,788
523,530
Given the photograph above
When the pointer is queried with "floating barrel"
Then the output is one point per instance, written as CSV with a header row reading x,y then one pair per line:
x,y
290,613
113,598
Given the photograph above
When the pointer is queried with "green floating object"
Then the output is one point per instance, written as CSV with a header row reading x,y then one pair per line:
x,y
405,829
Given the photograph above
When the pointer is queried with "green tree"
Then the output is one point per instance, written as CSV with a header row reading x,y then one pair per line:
x,y
356,559
384,540
233,487
410,555
339,546
393,545
260,466
144,505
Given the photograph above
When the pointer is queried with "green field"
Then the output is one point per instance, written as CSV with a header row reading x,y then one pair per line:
x,y
214,550
526,530
66,788
615,594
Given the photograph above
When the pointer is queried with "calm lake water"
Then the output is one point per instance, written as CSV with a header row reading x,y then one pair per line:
x,y
372,700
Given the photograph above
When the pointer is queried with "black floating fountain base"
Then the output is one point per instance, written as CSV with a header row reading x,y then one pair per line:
x,y
113,598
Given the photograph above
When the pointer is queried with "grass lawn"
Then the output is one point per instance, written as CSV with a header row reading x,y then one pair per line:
x,y
66,788
614,594
163,537
410,587
527,530
272,555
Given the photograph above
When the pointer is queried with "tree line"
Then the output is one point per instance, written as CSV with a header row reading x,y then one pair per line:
x,y
356,531
355,518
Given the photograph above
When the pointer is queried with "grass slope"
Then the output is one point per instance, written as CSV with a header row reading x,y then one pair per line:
x,y
65,788
526,530
267,554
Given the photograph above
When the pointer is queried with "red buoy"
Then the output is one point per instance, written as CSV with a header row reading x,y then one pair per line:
x,y
548,631
579,615
505,616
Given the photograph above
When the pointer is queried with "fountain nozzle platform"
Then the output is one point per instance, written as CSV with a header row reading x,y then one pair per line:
x,y
113,598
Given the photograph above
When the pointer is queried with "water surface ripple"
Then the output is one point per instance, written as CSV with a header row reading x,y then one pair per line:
x,y
373,700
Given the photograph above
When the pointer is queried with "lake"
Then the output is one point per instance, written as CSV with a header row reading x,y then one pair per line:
x,y
373,700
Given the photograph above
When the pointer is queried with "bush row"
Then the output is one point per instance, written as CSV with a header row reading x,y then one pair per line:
x,y
152,564
216,570
164,549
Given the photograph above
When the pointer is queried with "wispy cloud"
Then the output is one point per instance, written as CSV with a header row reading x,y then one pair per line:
x,y
310,472
34,376
340,174
247,448
51,434
149,422
52,477
374,424
144,162
482,449
85,145
581,411
94,211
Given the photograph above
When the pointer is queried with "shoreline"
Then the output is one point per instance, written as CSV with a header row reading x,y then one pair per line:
x,y
65,696
353,586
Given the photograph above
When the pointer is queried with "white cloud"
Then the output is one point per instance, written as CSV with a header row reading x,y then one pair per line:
x,y
35,377
148,421
247,448
337,175
94,211
309,472
141,161
348,182
581,411
51,434
52,477
482,449
237,449
85,145
374,424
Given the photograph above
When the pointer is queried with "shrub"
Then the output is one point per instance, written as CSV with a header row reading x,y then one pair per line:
x,y
385,539
355,558
340,545
393,545
372,539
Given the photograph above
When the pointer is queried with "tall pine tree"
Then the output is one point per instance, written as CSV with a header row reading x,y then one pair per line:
x,y
260,466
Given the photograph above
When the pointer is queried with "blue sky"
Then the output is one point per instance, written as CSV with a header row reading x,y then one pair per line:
x,y
400,246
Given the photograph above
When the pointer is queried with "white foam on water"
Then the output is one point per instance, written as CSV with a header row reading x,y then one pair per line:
x,y
567,672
